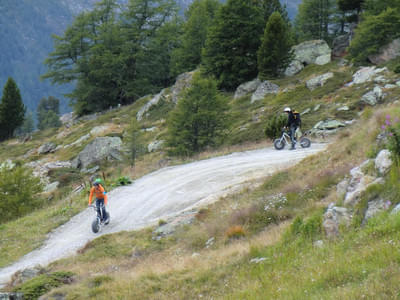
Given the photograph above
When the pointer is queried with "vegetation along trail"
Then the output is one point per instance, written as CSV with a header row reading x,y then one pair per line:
x,y
161,195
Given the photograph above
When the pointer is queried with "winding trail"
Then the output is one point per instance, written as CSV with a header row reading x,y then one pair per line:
x,y
161,194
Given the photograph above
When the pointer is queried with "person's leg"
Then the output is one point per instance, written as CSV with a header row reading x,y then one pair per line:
x,y
98,201
292,136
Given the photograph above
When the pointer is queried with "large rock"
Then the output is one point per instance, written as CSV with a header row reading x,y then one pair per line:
x,y
386,53
41,168
310,52
318,81
334,217
329,125
294,67
182,82
375,207
247,88
46,148
264,89
154,101
373,97
366,74
155,145
383,161
359,182
101,148
68,119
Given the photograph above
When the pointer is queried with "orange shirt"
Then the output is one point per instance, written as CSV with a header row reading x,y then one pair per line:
x,y
99,192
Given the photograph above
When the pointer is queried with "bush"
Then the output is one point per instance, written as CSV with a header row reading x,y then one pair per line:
x,y
397,69
123,180
18,192
235,232
274,126
40,285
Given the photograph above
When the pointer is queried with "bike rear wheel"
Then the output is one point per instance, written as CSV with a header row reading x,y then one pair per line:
x,y
305,142
279,144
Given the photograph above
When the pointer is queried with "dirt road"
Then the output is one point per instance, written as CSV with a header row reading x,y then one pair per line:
x,y
160,195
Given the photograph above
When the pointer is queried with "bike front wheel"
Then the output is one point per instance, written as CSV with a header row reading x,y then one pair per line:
x,y
305,142
95,226
279,144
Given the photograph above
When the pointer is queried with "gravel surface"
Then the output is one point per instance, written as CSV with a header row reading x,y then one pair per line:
x,y
161,195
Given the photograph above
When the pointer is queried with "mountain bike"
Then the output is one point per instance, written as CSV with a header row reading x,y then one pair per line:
x,y
99,221
284,140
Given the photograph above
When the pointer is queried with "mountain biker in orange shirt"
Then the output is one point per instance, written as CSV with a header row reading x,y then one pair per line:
x,y
101,198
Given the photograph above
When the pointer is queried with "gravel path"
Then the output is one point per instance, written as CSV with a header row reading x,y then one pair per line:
x,y
160,195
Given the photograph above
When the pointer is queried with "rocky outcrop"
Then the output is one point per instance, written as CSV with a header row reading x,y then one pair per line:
x,y
154,101
183,82
247,88
155,145
11,296
386,53
47,148
68,119
99,130
358,183
340,44
334,217
318,81
264,89
327,127
383,162
373,97
101,148
375,207
366,74
41,168
310,52
79,141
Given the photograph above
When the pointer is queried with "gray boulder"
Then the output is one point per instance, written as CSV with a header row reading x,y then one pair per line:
x,y
329,125
46,148
79,141
155,145
341,188
373,97
318,81
309,52
386,53
154,101
334,217
383,161
247,88
366,74
375,207
101,148
183,81
294,67
264,89
99,130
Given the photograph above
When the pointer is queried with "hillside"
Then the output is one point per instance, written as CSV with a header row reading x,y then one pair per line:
x,y
266,240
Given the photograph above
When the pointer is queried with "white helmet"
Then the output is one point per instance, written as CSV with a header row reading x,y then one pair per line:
x,y
287,109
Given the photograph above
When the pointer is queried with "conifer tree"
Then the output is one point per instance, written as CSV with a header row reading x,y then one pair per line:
x,y
274,53
48,113
12,110
230,53
199,18
199,119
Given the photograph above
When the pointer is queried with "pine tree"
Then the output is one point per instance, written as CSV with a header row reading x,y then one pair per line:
x,y
199,119
48,113
230,53
135,143
12,110
274,53
314,18
199,18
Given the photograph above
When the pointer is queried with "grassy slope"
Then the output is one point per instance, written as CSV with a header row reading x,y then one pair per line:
x,y
132,265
